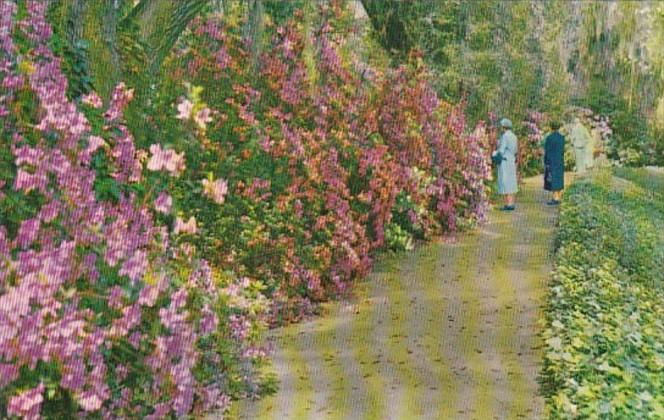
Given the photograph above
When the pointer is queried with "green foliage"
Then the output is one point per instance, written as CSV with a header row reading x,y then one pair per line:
x,y
604,353
67,44
649,180
492,53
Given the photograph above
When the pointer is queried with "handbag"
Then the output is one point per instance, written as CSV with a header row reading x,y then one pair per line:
x,y
497,159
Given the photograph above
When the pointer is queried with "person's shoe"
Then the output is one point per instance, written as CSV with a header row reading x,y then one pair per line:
x,y
553,202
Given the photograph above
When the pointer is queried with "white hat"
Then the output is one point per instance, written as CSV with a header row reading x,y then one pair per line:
x,y
506,123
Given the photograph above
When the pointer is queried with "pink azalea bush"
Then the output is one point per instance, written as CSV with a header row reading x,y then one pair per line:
x,y
319,164
531,151
102,310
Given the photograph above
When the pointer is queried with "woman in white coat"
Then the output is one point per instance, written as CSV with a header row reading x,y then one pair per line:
x,y
505,158
583,146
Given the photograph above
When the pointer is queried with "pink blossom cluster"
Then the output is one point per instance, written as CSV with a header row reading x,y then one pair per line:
x,y
78,248
167,160
348,148
215,190
530,147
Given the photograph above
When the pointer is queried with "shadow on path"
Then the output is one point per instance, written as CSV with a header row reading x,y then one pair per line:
x,y
448,331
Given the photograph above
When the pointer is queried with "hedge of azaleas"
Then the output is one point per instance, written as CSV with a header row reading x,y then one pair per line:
x,y
102,310
134,274
322,161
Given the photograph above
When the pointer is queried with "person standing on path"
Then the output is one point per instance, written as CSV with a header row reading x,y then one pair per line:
x,y
505,157
554,163
583,146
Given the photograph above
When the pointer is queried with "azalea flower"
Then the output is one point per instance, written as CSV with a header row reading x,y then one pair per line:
x,y
188,227
185,109
169,160
163,203
215,190
92,99
203,117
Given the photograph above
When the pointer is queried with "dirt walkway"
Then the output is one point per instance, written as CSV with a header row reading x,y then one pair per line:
x,y
448,331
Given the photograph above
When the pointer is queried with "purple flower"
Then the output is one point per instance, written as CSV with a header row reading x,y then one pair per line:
x,y
89,401
148,295
8,373
115,298
209,321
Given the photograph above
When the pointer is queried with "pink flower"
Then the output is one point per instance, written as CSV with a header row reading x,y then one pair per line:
x,y
188,227
166,159
163,203
92,99
203,117
209,321
27,404
148,296
185,109
94,143
27,233
135,267
89,401
215,190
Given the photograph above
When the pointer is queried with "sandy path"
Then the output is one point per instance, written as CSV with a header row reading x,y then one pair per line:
x,y
448,331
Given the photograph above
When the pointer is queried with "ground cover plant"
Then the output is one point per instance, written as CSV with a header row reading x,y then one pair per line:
x,y
605,321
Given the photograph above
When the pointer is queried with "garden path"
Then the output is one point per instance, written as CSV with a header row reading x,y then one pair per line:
x,y
448,331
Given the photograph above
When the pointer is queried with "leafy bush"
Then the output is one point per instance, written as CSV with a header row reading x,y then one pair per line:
x,y
104,308
604,352
317,152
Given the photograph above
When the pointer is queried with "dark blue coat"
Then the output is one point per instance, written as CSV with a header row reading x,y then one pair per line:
x,y
554,162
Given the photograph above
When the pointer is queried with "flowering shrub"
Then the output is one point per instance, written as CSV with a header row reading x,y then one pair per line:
x,y
135,276
531,150
318,161
103,309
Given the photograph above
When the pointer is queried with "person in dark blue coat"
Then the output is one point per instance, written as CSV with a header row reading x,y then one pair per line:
x,y
554,163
